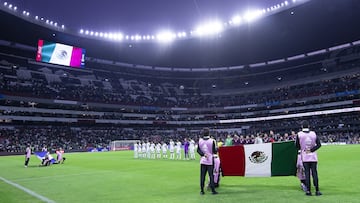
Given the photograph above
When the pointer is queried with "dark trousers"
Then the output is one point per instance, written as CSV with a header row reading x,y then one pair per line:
x,y
27,161
209,169
311,166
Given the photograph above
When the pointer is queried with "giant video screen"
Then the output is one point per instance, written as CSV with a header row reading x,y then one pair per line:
x,y
60,54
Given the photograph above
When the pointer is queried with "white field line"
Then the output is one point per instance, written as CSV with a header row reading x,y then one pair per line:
x,y
30,192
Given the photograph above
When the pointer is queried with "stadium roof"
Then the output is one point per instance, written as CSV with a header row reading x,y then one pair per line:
x,y
139,16
308,27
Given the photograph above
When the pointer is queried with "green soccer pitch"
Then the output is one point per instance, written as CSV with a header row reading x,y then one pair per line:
x,y
118,177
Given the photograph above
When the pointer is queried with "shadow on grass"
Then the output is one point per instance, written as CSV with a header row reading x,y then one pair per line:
x,y
328,190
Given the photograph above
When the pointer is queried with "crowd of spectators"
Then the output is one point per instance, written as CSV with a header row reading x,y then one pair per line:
x,y
15,138
111,89
141,93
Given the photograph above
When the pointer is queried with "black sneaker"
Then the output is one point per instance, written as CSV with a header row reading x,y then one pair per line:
x,y
215,193
202,192
318,193
308,193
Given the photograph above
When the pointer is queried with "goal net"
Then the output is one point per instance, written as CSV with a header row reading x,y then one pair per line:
x,y
118,145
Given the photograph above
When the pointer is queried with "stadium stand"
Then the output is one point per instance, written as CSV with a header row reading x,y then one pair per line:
x,y
108,100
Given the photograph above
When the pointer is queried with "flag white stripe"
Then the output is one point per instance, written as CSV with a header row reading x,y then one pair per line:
x,y
62,54
262,166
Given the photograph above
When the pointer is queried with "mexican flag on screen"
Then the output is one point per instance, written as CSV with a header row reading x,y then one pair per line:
x,y
259,160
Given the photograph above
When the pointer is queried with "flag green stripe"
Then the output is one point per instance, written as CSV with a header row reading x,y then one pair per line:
x,y
284,156
47,51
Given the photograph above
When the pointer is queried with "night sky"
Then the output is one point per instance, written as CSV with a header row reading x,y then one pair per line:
x,y
137,16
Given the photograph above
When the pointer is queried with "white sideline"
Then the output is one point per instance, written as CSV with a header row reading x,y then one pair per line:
x,y
32,193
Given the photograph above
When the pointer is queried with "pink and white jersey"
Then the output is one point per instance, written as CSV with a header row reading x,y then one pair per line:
x,y
300,172
206,146
307,140
59,155
216,169
28,152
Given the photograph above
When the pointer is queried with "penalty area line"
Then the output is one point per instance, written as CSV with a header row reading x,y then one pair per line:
x,y
30,192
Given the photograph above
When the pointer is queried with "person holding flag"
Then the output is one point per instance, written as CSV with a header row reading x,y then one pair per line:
x,y
300,172
217,172
60,158
45,157
206,149
308,143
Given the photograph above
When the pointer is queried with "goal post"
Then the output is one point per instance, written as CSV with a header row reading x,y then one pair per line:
x,y
118,145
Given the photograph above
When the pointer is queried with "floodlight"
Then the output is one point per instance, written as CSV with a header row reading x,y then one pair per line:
x,y
119,36
236,20
87,32
209,28
81,31
5,3
165,36
181,34
250,16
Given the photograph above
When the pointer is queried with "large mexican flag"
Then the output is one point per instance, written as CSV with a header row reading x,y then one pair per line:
x,y
259,160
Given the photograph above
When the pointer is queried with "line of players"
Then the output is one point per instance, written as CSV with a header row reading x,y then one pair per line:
x,y
151,150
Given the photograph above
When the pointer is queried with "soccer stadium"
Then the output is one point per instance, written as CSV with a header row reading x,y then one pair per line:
x,y
106,107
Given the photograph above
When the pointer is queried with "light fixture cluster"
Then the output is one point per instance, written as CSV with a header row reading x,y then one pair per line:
x,y
26,14
209,28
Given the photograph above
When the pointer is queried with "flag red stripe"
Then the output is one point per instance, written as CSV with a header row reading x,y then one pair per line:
x,y
232,160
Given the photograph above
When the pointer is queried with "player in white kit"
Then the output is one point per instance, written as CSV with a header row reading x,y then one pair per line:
x,y
158,150
152,150
164,148
136,155
192,149
143,150
178,150
171,149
